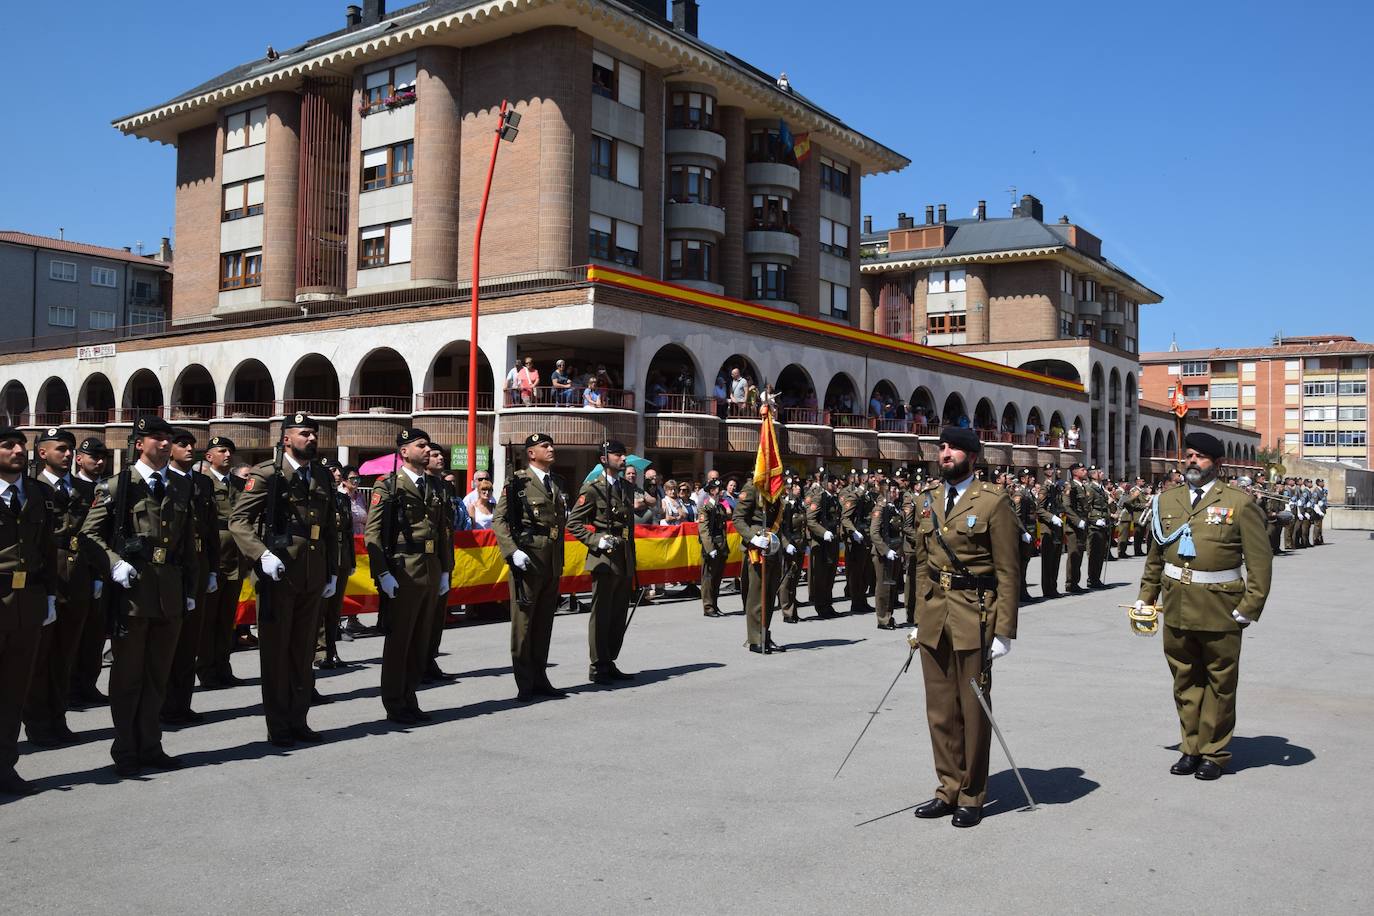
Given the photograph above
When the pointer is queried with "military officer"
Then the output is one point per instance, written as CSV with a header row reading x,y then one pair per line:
x,y
405,539
1099,524
1050,514
1208,534
857,508
757,522
966,564
327,639
283,523
213,668
1075,525
176,708
1134,503
78,585
29,585
793,532
603,520
885,534
914,508
89,467
715,548
435,469
1320,495
1027,515
141,520
530,520
823,522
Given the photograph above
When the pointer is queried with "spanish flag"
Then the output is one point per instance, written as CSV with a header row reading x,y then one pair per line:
x,y
768,463
801,147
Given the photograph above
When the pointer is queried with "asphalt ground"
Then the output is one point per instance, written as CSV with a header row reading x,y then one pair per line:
x,y
705,786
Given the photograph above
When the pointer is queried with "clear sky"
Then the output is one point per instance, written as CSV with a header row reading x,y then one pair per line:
x,y
1221,149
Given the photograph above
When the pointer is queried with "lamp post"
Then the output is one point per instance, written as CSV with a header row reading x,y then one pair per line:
x,y
507,126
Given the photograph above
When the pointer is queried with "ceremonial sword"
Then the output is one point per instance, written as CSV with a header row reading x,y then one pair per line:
x,y
900,671
987,711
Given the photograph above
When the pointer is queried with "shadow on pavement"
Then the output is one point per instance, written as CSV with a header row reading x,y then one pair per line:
x,y
821,643
1059,786
1267,751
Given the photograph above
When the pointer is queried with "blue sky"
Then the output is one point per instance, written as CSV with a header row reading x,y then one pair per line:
x,y
1220,149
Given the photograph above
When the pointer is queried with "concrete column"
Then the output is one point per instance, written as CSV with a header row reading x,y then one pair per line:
x,y
804,283
438,136
281,199
976,301
734,197
355,159
651,177
871,316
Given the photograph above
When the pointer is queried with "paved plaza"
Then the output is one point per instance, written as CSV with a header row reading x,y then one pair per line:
x,y
706,785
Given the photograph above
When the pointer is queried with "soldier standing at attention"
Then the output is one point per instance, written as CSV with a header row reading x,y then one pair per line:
x,y
1206,534
715,547
823,521
45,713
914,508
327,640
885,533
222,605
28,592
1099,521
149,549
405,527
966,563
1027,513
435,469
89,469
857,507
794,535
603,520
529,522
757,523
283,523
1050,512
1076,525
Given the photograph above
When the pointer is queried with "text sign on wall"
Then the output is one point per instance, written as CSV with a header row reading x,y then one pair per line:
x,y
99,351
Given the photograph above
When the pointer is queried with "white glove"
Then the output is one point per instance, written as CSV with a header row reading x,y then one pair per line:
x,y
330,587
52,610
1025,536
213,586
1138,606
890,555
791,549
522,559
603,544
271,566
124,574
827,537
443,586
190,605
1102,523
713,553
96,588
387,583
760,541
999,647
858,537
1082,524
1056,521
1237,615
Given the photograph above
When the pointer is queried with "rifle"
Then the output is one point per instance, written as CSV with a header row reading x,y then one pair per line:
x,y
389,543
277,543
127,545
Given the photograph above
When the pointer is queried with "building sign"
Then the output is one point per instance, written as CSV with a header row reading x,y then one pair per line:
x,y
459,459
99,351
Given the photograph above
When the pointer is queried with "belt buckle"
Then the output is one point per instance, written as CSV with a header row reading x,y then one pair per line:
x,y
75,545
429,547
314,532
18,579
553,531
1185,576
159,555
946,580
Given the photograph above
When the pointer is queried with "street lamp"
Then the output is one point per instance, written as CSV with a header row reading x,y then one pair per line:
x,y
507,127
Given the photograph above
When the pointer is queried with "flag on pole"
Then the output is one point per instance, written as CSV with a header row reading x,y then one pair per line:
x,y
801,148
768,462
1180,403
784,135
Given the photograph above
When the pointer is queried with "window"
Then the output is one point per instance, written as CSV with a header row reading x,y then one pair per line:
x,y
1227,390
1348,388
1319,437
691,260
616,80
245,128
834,238
143,289
947,323
1312,363
104,276
62,270
834,300
1197,367
1290,416
389,165
243,198
61,316
1354,437
613,240
102,321
146,316
1247,393
1065,324
1290,392
1318,413
1195,392
627,157
1247,371
603,156
600,229
1317,389
772,213
386,244
1290,438
692,184
393,86
946,281
1087,292
834,177
1352,413
766,145
1066,281
770,281
1222,413
693,110
1247,417
1291,367
240,269
1175,369
1130,345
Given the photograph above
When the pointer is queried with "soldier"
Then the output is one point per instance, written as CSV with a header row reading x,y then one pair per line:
x,y
283,523
406,524
793,531
213,668
857,507
1099,522
327,639
91,456
29,585
757,522
823,523
966,563
1075,527
435,469
1050,513
715,548
885,533
1027,513
1132,506
603,520
1206,533
913,507
529,522
176,707
1320,495
142,522
78,585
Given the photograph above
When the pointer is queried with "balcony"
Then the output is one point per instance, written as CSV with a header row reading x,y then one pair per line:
x,y
900,440
248,423
444,415
372,421
778,244
856,436
697,219
808,431
1089,309
572,416
683,422
682,141
1113,318
776,176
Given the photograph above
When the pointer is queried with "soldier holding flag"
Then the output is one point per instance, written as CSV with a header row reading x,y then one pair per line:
x,y
758,515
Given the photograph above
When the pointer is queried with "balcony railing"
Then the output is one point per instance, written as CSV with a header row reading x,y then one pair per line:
x,y
850,421
376,403
452,400
94,416
576,397
260,410
680,403
804,416
194,412
906,425
315,407
50,417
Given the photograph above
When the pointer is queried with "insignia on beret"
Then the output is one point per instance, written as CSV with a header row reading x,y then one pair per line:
x,y
52,430
299,418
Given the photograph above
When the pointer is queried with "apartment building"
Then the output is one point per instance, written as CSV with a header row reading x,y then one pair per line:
x,y
1308,395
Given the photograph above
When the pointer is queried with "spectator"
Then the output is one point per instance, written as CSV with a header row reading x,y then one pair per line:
x,y
730,496
652,494
671,511
528,380
591,395
483,507
658,393
470,498
1073,436
562,384
644,513
739,387
875,406
512,384
603,379
686,497
719,393
357,505
963,421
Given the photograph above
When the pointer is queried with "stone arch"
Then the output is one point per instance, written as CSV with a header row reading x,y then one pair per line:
x,y
95,400
312,387
1158,444
142,396
842,395
1095,389
250,391
883,392
1132,389
381,384
193,394
797,395
1114,387
446,379
954,410
1054,368
1036,419
1011,419
14,401
54,404
984,415
1171,444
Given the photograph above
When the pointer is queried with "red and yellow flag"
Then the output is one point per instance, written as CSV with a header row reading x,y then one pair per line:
x,y
801,147
1180,402
768,462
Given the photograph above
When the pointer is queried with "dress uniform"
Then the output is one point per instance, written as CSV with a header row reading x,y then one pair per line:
x,y
1134,505
1208,534
149,552
29,585
1050,512
857,508
1075,528
603,520
966,566
213,668
711,519
755,520
327,639
794,536
291,546
405,540
885,534
1099,524
45,713
176,708
1320,495
1027,514
823,523
91,454
530,521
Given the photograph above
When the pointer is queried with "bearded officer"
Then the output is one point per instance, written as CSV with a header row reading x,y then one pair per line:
x,y
823,523
603,520
529,522
213,668
715,547
1206,535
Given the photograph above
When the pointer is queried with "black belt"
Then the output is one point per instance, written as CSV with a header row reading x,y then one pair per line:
x,y
222,525
419,548
962,583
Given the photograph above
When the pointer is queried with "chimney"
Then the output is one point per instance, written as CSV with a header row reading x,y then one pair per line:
x,y
905,222
685,16
930,215
982,210
1064,220
1030,206
164,250
943,213
128,249
868,225
374,11
353,16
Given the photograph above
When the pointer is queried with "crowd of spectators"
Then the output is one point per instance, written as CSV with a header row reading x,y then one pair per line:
x,y
569,386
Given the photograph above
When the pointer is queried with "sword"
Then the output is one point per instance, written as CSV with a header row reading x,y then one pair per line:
x,y
987,711
900,671
638,599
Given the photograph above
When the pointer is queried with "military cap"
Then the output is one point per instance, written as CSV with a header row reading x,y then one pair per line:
x,y
966,440
329,463
538,439
1048,466
1076,465
834,478
901,473
614,447
1026,472
410,434
55,434
301,421
10,434
180,432
152,426
92,446
1205,444
713,484
222,442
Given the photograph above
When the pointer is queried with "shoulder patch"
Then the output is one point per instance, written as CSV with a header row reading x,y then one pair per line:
x,y
582,499
248,485
376,497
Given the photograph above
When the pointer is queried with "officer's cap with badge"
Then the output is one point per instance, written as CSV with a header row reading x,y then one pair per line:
x,y
901,473
1026,472
182,434
93,447
409,435
55,434
613,447
223,442
10,434
712,485
535,439
1205,444
1076,465
965,440
302,421
152,426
